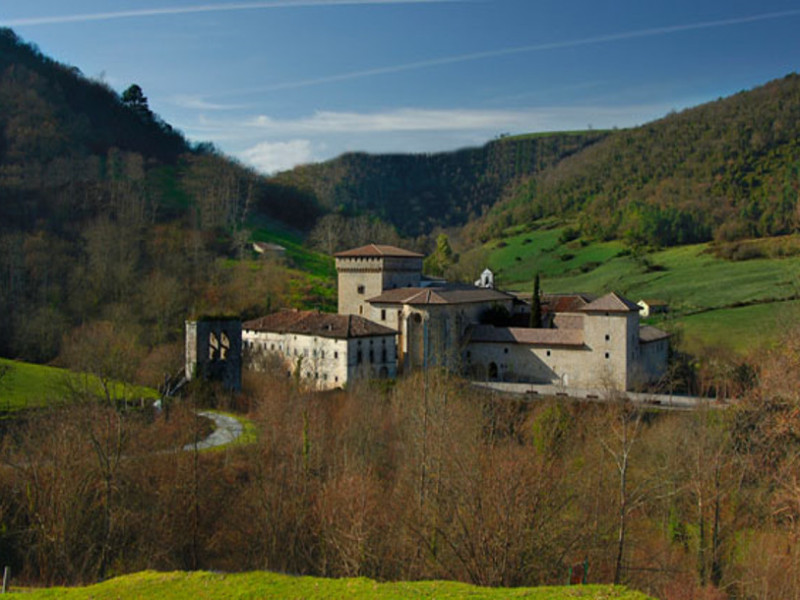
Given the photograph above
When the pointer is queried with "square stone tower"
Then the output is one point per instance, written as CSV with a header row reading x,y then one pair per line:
x,y
368,271
214,351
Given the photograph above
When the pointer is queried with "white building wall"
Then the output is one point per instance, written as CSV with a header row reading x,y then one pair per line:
x,y
521,362
323,362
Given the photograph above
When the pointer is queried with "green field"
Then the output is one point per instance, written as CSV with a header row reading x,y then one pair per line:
x,y
27,385
179,585
312,273
739,304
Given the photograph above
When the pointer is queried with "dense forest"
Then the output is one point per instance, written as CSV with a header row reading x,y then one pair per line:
x,y
725,170
417,193
108,214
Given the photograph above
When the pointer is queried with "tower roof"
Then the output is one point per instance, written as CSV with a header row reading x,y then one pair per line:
x,y
612,302
378,250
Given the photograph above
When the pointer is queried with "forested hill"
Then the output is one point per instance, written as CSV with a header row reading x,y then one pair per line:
x,y
727,169
108,214
418,192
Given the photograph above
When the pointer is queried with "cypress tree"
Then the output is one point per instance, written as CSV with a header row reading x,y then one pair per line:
x,y
536,305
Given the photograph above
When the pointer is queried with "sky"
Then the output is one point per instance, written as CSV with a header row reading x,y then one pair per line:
x,y
286,82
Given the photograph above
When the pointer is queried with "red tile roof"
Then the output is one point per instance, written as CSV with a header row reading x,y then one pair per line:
x,y
560,303
310,322
376,250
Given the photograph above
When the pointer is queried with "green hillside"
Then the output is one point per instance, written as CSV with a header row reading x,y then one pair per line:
x,y
272,585
25,385
728,169
714,301
418,192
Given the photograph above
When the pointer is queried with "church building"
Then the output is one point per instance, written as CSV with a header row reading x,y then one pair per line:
x,y
392,320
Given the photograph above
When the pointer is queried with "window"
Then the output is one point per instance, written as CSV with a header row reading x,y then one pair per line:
x,y
607,355
548,353
383,355
505,350
336,354
360,289
359,357
371,356
361,309
322,353
608,337
383,314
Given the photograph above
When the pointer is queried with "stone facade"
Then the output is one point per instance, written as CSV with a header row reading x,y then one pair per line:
x,y
214,351
589,343
368,271
324,351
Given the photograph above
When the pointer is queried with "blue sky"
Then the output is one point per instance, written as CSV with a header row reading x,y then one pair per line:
x,y
279,83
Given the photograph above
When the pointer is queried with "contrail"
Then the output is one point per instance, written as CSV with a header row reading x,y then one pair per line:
x,y
202,8
447,60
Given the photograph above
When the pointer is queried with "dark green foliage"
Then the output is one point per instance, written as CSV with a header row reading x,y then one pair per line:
x,y
727,169
536,304
419,192
107,213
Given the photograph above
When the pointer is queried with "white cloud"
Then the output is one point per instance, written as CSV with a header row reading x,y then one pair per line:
x,y
414,119
271,157
198,103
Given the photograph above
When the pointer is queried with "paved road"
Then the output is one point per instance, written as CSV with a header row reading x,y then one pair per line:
x,y
664,401
227,429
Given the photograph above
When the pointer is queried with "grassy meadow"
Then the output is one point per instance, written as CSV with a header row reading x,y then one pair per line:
x,y
312,274
27,385
740,304
179,585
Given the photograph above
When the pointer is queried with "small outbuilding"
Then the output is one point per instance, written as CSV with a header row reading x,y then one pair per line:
x,y
651,307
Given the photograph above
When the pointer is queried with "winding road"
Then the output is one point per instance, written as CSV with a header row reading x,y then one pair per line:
x,y
226,430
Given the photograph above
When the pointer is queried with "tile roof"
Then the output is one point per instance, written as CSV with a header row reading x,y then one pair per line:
x,y
376,250
311,322
612,302
525,335
439,295
648,333
558,303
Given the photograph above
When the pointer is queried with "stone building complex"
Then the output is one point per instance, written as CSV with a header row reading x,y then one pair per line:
x,y
392,320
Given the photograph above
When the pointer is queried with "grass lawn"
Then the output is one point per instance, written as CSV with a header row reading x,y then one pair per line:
x,y
27,385
745,329
690,278
167,586
309,262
